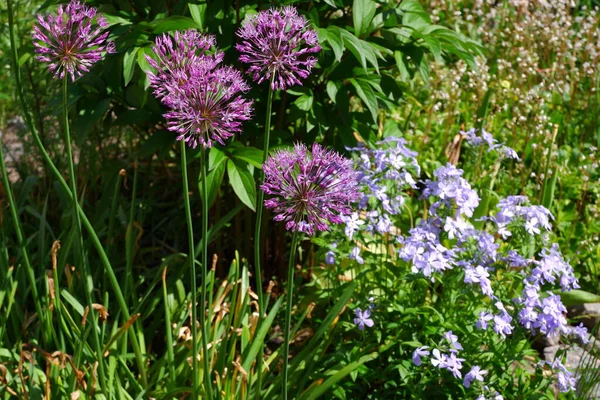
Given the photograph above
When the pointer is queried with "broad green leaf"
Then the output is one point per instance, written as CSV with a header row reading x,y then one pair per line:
x,y
404,74
174,23
242,183
304,102
367,95
363,12
198,13
335,41
251,155
129,59
576,297
332,89
215,157
213,182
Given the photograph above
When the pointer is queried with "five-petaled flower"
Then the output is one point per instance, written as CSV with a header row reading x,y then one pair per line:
x,y
363,318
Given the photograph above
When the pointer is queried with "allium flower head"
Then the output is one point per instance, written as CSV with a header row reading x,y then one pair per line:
x,y
69,41
177,57
208,106
277,44
309,189
205,101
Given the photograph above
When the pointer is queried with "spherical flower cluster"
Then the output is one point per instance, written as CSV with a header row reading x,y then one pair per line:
x,y
203,97
69,41
277,44
309,190
175,59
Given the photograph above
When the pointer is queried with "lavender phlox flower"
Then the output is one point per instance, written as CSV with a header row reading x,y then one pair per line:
x,y
452,190
580,332
516,260
452,340
309,190
476,373
330,255
208,106
485,138
456,227
514,208
552,265
176,58
479,275
418,353
454,364
355,255
423,249
551,320
484,318
566,379
278,44
69,41
438,359
353,223
502,321
363,318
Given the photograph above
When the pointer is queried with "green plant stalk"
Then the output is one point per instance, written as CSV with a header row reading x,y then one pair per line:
x,y
257,228
113,212
288,313
190,231
89,284
86,223
205,210
20,238
169,335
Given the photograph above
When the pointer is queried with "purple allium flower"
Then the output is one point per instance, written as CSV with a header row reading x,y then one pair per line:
x,y
476,373
453,340
277,44
309,189
418,353
208,107
363,318
176,57
69,41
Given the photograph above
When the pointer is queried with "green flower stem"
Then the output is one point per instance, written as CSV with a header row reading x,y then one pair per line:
x,y
288,312
259,216
86,223
89,284
20,239
190,229
203,322
169,334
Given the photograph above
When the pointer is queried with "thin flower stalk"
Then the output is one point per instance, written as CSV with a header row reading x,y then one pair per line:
x,y
58,176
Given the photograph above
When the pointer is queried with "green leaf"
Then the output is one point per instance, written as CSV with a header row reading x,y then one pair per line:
x,y
404,74
363,12
251,155
213,182
367,95
174,23
315,391
242,183
304,102
198,12
334,39
332,89
252,351
215,157
129,60
576,297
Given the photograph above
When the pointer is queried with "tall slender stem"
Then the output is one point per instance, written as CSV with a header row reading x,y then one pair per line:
x,y
20,238
257,242
190,229
203,322
86,223
288,312
88,284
